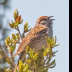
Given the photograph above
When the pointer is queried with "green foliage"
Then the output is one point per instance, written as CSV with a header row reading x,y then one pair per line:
x,y
23,67
11,42
51,42
26,27
8,70
38,62
17,19
16,13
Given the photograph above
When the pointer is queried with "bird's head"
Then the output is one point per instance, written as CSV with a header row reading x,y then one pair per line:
x,y
45,21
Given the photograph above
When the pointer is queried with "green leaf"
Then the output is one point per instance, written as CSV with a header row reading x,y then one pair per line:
x,y
31,53
17,36
12,48
56,45
26,66
7,41
44,53
55,52
16,24
13,36
44,68
11,25
52,39
48,44
8,38
48,50
15,14
20,63
35,56
21,66
28,61
8,61
26,27
53,62
27,49
54,55
52,66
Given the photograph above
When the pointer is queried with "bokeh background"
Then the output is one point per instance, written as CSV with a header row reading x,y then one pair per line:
x,y
31,10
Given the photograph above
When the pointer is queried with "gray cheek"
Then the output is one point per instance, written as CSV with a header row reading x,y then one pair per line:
x,y
51,22
50,31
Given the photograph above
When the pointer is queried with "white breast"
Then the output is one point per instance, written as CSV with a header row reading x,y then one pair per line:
x,y
38,45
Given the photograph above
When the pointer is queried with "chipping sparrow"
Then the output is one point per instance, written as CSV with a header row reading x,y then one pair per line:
x,y
36,37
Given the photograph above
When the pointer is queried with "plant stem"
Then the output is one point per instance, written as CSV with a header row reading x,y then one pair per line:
x,y
19,32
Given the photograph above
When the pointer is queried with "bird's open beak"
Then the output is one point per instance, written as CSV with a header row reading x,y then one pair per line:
x,y
51,19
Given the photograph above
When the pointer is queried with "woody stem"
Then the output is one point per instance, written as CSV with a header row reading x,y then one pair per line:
x,y
19,32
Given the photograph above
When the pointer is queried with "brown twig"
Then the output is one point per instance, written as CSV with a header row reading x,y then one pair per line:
x,y
11,54
19,32
17,42
46,59
23,34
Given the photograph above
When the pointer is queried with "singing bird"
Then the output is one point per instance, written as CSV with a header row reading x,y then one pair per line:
x,y
35,39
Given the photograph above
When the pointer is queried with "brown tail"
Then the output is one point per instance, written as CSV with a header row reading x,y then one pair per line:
x,y
22,56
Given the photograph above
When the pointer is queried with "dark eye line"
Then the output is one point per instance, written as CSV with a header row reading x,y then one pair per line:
x,y
42,19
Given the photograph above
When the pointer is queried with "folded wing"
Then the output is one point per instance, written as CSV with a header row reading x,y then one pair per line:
x,y
36,34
